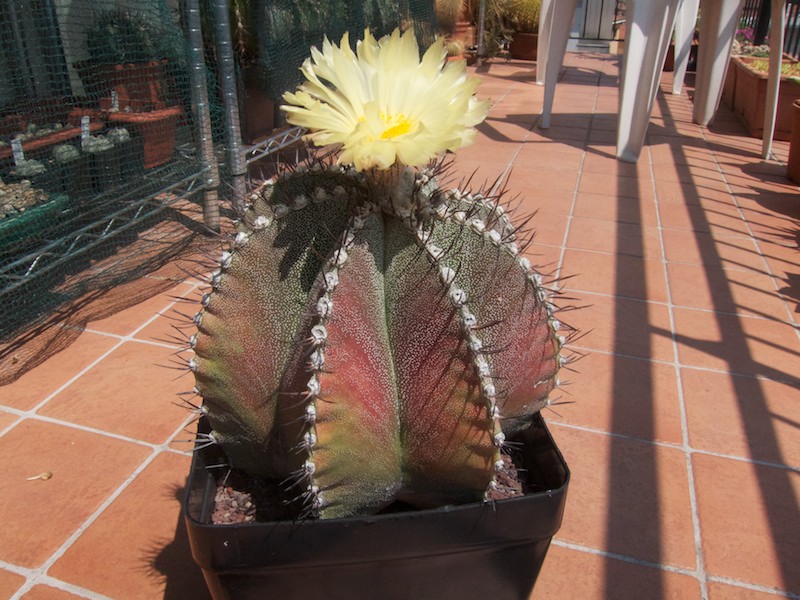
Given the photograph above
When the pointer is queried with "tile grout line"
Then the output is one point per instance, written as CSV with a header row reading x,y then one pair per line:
x,y
754,240
39,575
41,571
701,574
674,446
121,340
558,542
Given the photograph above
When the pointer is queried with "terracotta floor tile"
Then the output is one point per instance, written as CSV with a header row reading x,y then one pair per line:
x,y
33,387
627,497
606,122
742,416
40,515
481,173
740,292
144,531
171,326
572,574
620,275
772,209
670,151
138,403
699,176
621,395
611,208
610,166
530,157
46,592
528,178
6,419
128,320
544,257
627,327
672,192
526,191
717,217
716,251
602,136
9,583
497,132
721,591
610,236
749,511
538,149
743,345
780,232
781,260
626,187
550,226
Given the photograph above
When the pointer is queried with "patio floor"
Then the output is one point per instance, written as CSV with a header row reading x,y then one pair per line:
x,y
683,437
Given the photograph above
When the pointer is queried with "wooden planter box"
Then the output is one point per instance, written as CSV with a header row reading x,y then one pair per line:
x,y
750,98
157,129
729,85
144,82
43,143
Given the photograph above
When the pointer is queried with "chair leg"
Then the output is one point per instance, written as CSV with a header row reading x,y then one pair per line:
x,y
562,15
717,28
543,45
685,23
650,24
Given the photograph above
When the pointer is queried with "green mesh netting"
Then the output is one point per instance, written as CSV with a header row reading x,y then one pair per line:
x,y
285,30
97,139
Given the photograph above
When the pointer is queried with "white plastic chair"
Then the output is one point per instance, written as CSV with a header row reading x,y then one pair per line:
x,y
650,25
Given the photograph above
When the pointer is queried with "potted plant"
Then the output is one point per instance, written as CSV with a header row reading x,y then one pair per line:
x,y
155,128
125,56
743,45
372,357
448,14
27,214
72,167
524,18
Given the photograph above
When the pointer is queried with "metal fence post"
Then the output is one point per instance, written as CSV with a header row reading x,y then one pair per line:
x,y
204,140
230,100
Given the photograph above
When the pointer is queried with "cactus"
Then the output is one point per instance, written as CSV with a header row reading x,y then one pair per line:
x,y
372,342
371,337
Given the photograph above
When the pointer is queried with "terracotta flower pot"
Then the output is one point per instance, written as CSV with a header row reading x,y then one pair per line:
x,y
524,45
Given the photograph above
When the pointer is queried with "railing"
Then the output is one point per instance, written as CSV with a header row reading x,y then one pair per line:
x,y
755,16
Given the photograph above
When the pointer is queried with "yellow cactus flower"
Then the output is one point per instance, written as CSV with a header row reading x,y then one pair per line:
x,y
384,105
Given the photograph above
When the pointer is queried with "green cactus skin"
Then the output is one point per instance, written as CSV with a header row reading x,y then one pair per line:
x,y
373,338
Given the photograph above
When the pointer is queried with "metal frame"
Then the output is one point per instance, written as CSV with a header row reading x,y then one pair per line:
x,y
163,187
275,143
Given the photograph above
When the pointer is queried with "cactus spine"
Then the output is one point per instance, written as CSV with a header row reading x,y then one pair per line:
x,y
370,337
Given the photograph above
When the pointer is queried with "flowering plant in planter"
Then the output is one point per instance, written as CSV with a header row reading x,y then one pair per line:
x,y
373,342
371,337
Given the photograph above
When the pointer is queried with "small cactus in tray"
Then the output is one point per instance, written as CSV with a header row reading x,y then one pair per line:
x,y
369,336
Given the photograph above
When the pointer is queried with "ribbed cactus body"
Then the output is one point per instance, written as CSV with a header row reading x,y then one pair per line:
x,y
372,341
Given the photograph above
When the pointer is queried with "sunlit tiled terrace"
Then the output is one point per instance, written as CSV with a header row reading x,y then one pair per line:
x,y
681,425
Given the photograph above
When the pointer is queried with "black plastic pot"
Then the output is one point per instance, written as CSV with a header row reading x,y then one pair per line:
x,y
74,176
131,158
103,169
454,552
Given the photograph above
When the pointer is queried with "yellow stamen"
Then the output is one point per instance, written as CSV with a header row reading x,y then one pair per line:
x,y
399,125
